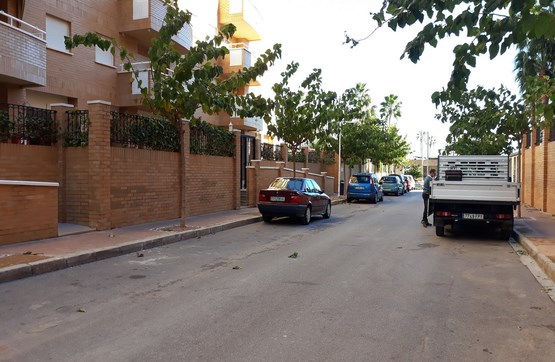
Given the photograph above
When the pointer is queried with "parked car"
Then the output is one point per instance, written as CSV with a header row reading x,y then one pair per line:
x,y
364,186
293,196
401,179
409,180
392,185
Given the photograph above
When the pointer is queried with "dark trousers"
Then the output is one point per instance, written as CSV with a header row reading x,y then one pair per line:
x,y
425,197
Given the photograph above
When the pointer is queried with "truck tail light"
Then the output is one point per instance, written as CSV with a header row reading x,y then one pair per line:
x,y
504,216
443,213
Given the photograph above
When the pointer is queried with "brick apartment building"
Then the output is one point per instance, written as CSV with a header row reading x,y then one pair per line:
x,y
100,185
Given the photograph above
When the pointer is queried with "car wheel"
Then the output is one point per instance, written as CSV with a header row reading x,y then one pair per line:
x,y
398,193
375,200
267,218
505,234
305,220
327,214
349,199
440,230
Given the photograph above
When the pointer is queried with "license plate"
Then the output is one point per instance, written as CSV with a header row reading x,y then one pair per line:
x,y
359,187
277,198
473,216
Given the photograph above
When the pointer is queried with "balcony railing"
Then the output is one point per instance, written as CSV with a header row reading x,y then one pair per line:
x,y
244,15
239,55
24,55
23,26
143,18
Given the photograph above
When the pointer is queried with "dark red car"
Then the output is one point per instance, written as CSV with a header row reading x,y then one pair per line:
x,y
294,196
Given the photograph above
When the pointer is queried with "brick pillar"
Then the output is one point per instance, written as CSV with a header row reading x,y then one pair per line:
x,y
61,125
323,184
257,149
522,170
99,165
184,163
254,189
237,171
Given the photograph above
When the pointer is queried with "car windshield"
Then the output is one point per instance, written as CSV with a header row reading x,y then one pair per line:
x,y
359,179
389,180
285,183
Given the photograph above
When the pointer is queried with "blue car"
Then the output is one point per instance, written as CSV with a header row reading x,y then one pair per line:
x,y
392,185
364,186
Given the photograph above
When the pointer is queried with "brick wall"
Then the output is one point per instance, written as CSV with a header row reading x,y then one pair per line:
x,y
144,186
537,175
28,162
28,212
550,184
75,209
210,184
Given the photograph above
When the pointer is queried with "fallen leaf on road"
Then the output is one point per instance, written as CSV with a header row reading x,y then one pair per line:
x,y
294,255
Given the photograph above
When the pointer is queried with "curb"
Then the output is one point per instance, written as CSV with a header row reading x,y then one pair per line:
x,y
543,261
57,263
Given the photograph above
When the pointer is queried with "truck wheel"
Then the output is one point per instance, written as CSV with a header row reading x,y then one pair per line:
x,y
440,230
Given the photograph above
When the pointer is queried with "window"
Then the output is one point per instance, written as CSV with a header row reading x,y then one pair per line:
x,y
552,132
56,30
539,136
104,56
528,139
140,9
143,77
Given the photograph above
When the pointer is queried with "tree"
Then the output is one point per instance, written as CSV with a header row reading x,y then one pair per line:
x,y
414,170
484,121
492,26
390,109
183,84
302,115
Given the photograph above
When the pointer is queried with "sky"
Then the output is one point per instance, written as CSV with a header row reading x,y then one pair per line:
x,y
312,33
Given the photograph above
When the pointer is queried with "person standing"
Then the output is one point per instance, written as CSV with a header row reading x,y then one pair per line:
x,y
426,191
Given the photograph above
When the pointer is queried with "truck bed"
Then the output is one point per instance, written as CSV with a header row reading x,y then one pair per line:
x,y
476,191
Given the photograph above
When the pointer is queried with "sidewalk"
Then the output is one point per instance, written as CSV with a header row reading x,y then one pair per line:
x,y
79,245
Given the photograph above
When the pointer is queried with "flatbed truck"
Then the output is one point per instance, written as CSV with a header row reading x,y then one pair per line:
x,y
474,190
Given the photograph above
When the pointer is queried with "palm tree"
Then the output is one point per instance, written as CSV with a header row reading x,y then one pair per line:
x,y
390,108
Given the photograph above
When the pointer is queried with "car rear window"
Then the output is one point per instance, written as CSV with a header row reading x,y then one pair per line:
x,y
358,179
285,183
389,179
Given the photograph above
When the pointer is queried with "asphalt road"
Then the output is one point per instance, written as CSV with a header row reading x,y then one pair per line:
x,y
368,284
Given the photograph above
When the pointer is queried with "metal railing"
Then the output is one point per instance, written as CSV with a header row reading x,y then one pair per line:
x,y
77,128
27,125
21,25
136,131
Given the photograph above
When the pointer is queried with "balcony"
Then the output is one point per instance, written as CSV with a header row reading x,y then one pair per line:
x,y
23,60
143,19
129,93
244,15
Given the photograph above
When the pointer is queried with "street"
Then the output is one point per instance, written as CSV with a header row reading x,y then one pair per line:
x,y
368,284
